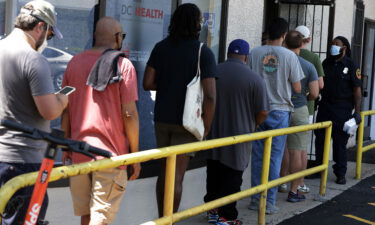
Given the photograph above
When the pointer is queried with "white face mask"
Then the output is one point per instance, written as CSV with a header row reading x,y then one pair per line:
x,y
45,43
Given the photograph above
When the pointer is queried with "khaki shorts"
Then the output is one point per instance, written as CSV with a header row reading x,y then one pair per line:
x,y
98,194
171,134
299,141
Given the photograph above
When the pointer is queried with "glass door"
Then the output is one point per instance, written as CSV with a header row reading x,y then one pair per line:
x,y
2,18
368,72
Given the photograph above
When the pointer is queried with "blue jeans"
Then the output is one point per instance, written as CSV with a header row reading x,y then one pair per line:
x,y
275,120
16,208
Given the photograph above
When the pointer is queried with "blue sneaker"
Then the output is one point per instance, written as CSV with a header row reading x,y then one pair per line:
x,y
212,216
271,209
254,205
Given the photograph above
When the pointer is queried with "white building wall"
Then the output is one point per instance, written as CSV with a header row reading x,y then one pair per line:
x,y
370,9
344,18
245,21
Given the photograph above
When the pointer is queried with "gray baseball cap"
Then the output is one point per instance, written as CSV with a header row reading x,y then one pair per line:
x,y
44,11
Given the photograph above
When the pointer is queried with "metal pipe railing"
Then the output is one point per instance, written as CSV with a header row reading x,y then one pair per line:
x,y
16,183
360,148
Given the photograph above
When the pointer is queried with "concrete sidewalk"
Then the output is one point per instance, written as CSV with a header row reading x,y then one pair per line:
x,y
139,204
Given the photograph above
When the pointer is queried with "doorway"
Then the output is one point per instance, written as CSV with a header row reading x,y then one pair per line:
x,y
368,72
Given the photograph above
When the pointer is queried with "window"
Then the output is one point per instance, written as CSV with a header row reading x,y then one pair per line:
x,y
145,23
51,53
75,19
2,18
211,13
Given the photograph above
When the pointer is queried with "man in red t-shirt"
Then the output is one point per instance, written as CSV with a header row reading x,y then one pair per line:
x,y
106,119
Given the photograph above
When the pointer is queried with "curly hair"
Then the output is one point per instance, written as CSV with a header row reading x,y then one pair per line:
x,y
185,22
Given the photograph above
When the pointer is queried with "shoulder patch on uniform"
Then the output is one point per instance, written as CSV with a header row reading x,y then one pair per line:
x,y
358,74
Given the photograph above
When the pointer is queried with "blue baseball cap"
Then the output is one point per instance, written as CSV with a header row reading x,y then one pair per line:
x,y
239,47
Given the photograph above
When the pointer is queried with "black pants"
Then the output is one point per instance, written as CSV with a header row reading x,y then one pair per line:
x,y
16,208
338,113
223,181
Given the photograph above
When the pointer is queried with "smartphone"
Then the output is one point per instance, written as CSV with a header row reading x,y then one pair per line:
x,y
67,90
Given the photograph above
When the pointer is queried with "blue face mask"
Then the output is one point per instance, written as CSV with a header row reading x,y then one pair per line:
x,y
335,50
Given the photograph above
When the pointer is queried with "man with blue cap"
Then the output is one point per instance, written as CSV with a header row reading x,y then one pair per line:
x,y
241,105
27,95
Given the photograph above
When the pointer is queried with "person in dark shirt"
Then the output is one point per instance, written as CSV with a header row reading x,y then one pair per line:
x,y
242,104
170,68
340,95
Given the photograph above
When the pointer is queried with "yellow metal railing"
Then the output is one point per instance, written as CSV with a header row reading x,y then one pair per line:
x,y
360,148
16,183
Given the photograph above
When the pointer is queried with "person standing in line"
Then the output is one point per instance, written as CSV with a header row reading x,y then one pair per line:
x,y
102,112
242,104
311,57
340,96
297,143
282,72
27,96
171,67
315,60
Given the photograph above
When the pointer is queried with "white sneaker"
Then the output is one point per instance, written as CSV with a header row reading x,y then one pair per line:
x,y
283,188
303,188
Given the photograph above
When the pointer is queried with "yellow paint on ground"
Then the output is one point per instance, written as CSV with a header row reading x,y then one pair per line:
x,y
360,219
373,204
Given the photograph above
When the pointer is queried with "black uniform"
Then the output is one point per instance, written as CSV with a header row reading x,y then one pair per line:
x,y
337,105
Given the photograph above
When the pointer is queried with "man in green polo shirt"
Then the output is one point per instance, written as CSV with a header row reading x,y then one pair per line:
x,y
312,58
315,60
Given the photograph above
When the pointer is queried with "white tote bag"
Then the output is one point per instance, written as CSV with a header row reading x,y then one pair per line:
x,y
192,118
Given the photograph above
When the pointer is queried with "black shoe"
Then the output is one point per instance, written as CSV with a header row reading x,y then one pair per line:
x,y
313,176
295,197
340,180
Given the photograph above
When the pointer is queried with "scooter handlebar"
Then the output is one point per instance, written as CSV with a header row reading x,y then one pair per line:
x,y
98,151
77,146
17,126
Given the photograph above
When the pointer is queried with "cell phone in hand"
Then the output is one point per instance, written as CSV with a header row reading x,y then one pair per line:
x,y
67,90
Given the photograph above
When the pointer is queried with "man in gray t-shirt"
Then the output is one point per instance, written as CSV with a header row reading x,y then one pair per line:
x,y
241,105
282,73
26,95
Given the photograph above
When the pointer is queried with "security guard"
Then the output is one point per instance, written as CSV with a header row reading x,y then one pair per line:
x,y
340,95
